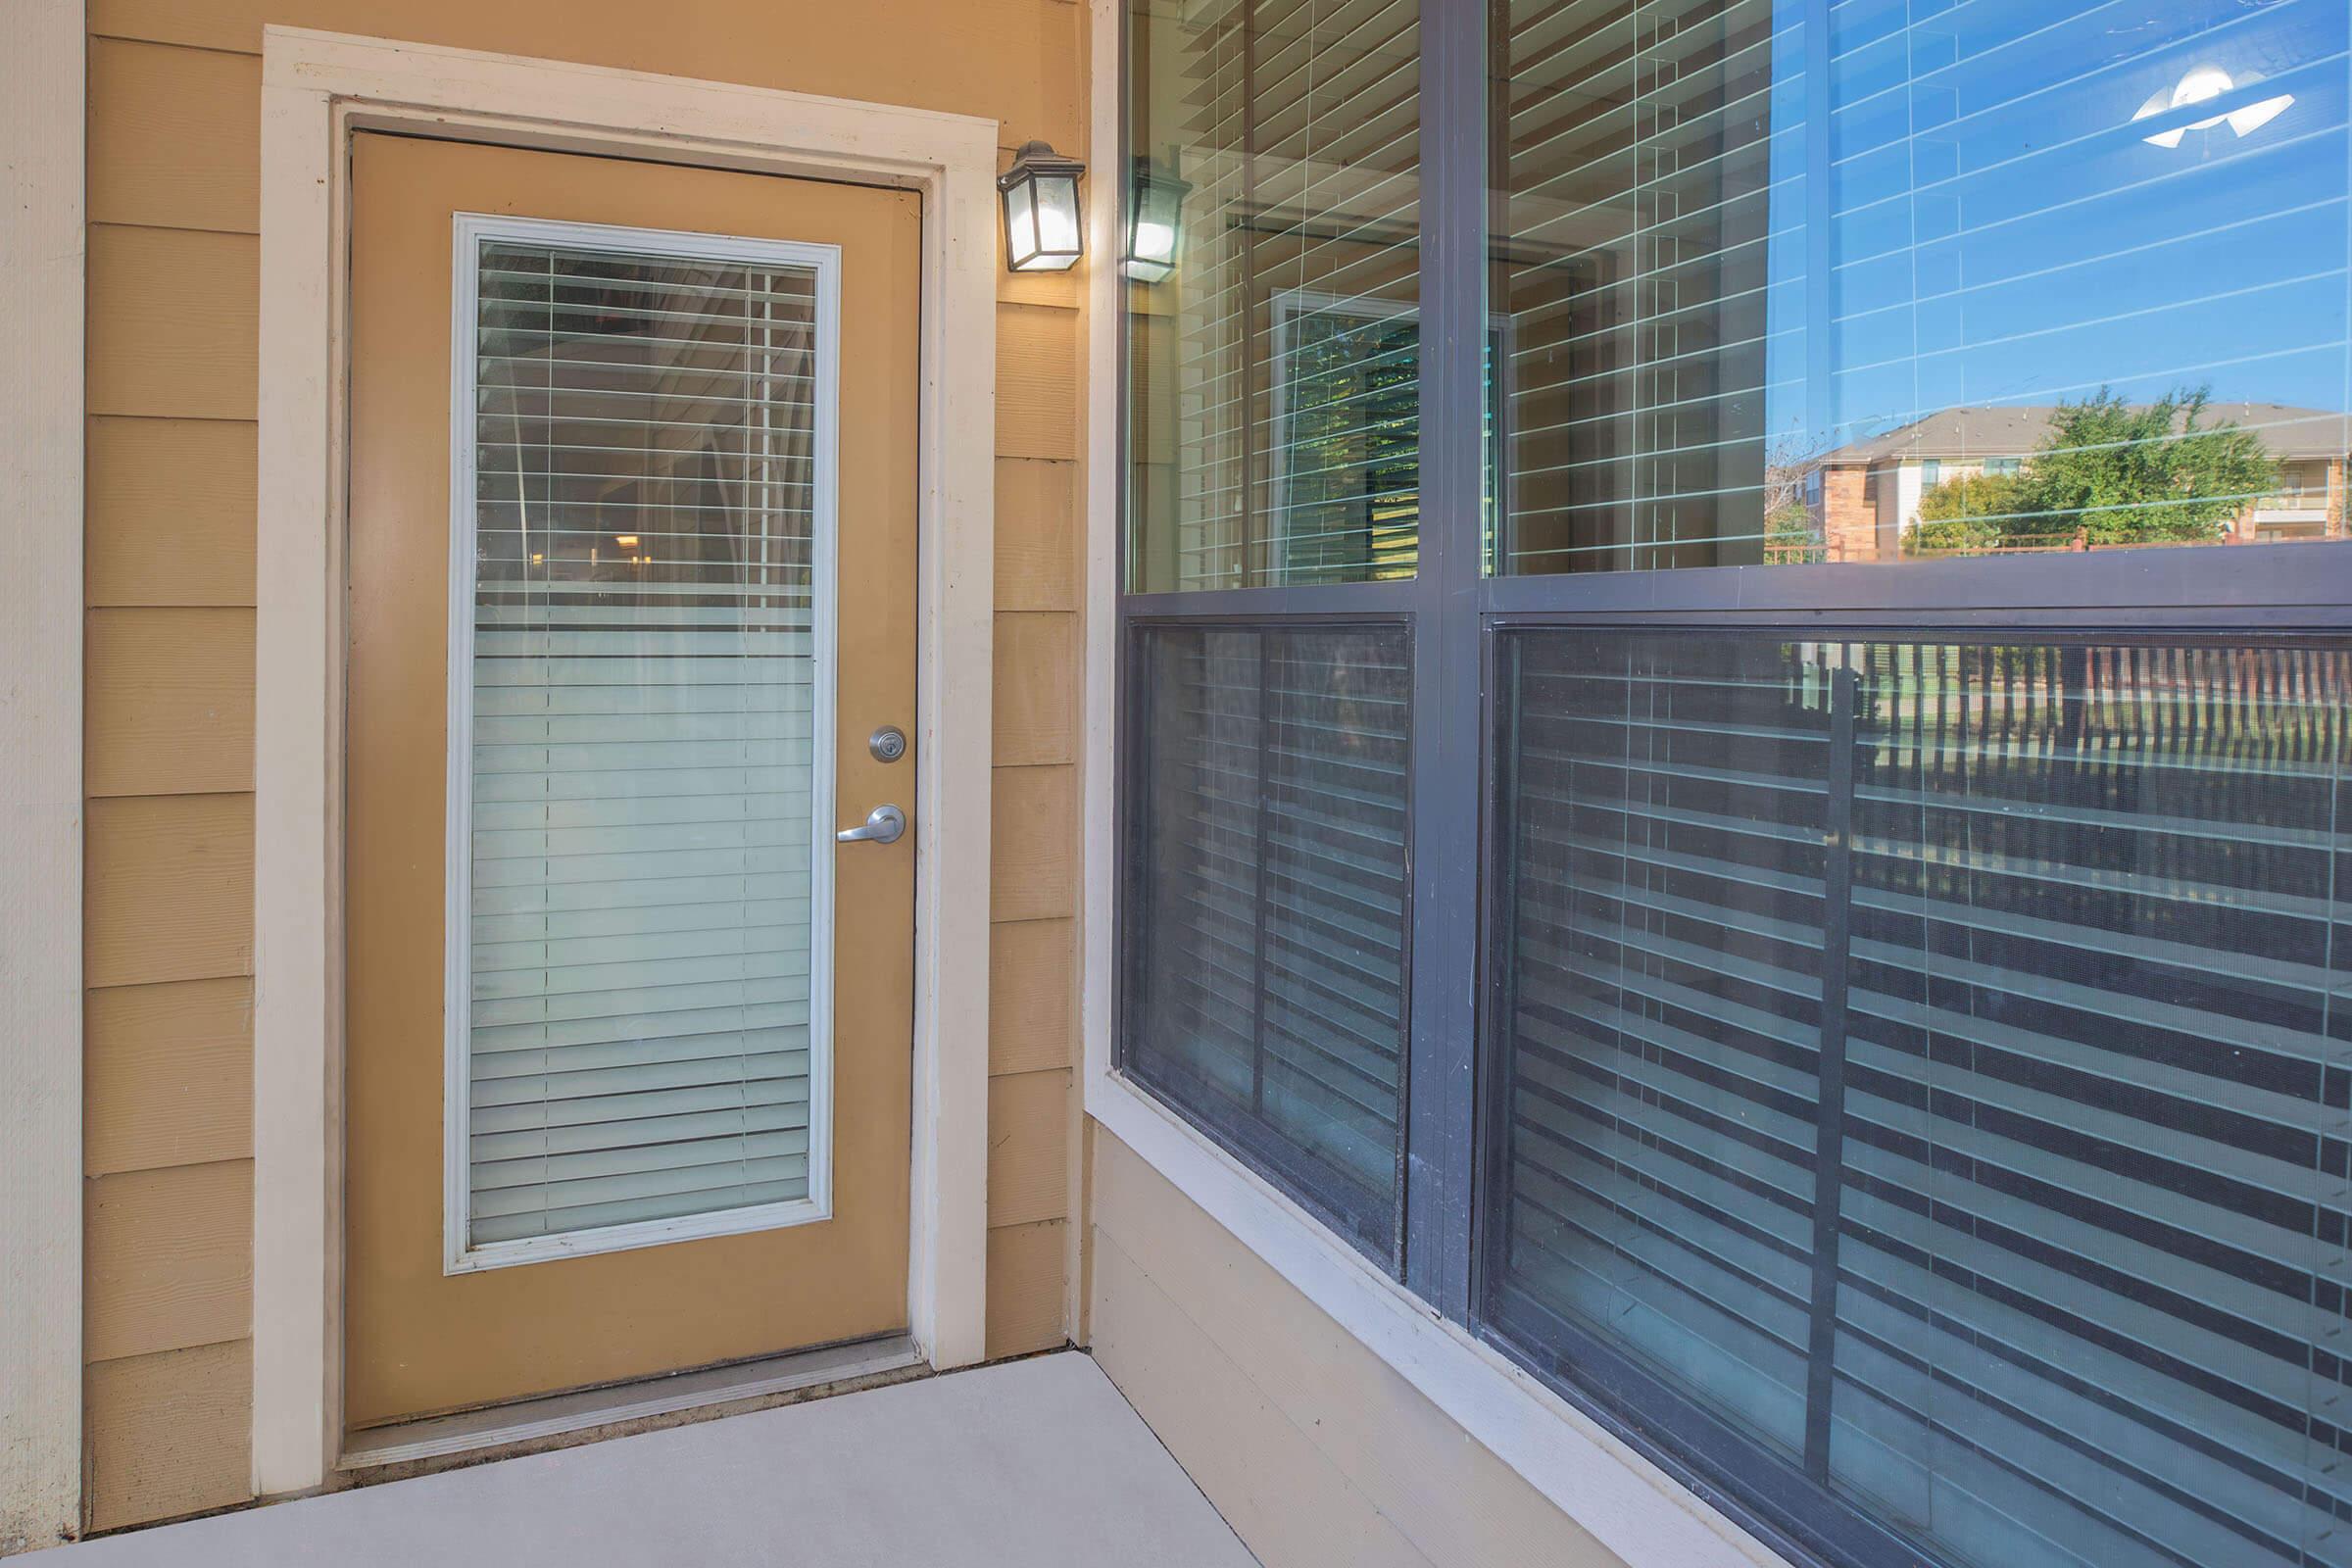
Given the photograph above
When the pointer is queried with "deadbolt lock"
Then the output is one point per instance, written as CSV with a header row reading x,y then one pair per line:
x,y
887,744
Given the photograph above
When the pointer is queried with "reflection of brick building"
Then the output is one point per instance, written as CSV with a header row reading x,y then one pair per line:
x,y
1866,496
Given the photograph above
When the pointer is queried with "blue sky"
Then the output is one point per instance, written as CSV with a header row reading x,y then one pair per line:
x,y
2001,231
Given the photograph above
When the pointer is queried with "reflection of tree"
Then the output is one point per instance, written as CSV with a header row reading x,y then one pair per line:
x,y
2109,472
1790,536
1793,534
1979,512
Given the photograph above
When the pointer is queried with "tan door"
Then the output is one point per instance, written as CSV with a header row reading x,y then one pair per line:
x,y
629,1033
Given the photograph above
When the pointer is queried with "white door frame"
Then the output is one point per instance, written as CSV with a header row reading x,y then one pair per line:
x,y
316,89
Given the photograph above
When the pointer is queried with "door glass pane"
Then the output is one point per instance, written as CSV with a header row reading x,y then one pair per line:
x,y
1789,282
1264,993
650,653
1929,1059
1273,394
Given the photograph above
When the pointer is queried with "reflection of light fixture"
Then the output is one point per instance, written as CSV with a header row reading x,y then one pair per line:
x,y
1040,193
1154,221
2200,85
626,541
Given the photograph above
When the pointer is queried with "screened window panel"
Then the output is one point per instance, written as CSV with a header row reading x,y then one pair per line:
x,y
1274,383
1264,991
2055,930
640,708
2008,279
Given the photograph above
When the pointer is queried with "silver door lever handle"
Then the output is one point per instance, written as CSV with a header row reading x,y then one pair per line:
x,y
883,825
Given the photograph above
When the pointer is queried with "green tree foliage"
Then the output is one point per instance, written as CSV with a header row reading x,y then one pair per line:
x,y
1789,537
2118,473
1979,512
2146,474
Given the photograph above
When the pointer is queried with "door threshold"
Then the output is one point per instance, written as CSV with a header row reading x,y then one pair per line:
x,y
552,1415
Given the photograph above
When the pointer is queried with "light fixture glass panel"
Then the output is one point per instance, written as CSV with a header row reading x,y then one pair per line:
x,y
1057,215
1020,226
1040,193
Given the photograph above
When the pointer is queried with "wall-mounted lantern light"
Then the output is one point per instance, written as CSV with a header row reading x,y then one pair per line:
x,y
1154,221
1040,193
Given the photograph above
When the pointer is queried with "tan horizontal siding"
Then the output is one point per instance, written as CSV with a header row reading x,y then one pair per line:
x,y
1037,555
1033,844
1061,290
1037,382
171,511
169,1434
168,892
175,137
1033,1112
173,321
1032,995
169,1259
1024,1287
1015,61
1291,1506
1317,1450
168,699
1028,1147
1035,703
173,184
168,1075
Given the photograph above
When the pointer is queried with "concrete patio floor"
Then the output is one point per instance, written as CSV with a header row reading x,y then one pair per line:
x,y
1037,1464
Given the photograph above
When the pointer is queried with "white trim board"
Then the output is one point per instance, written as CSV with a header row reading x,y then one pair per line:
x,y
41,413
319,88
823,265
1624,1502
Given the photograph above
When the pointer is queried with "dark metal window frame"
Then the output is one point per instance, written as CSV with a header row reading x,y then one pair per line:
x,y
1457,614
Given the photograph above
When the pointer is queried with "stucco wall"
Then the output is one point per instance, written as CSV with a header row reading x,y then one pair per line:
x,y
174,91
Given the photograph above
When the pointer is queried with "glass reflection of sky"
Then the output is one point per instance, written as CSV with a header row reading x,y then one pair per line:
x,y
2002,230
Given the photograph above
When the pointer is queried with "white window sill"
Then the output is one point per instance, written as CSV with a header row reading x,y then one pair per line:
x,y
1623,1500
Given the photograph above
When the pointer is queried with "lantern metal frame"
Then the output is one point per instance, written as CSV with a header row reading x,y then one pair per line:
x,y
1034,168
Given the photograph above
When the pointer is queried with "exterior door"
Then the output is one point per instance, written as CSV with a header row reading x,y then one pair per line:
x,y
631,585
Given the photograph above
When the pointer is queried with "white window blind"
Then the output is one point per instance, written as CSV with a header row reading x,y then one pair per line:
x,y
1297,125
1267,995
1926,1056
641,696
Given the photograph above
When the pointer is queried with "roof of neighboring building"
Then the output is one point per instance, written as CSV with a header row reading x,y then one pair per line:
x,y
2016,432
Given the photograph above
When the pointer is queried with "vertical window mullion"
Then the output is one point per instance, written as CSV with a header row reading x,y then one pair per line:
x,y
1447,717
1828,1154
